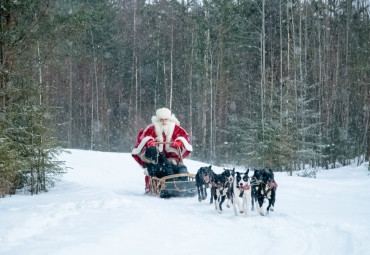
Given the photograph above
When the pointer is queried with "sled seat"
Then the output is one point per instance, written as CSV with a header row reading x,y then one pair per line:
x,y
176,185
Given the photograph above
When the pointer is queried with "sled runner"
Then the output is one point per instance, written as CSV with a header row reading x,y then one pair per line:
x,y
176,185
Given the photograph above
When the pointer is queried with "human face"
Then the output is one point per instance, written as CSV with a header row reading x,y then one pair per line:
x,y
163,121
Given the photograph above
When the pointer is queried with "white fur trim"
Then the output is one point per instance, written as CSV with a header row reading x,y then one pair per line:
x,y
137,150
187,146
163,113
173,118
185,142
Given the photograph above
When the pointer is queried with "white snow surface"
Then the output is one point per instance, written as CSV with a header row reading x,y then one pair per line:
x,y
99,207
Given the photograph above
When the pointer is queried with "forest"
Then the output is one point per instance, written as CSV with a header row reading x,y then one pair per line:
x,y
279,84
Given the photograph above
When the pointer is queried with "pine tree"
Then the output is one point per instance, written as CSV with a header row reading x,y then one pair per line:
x,y
28,152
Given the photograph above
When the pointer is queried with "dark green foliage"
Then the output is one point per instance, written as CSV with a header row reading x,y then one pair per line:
x,y
28,147
121,60
103,67
33,147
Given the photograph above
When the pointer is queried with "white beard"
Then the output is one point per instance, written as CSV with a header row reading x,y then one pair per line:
x,y
166,129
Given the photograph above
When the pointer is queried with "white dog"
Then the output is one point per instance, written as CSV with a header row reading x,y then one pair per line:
x,y
242,188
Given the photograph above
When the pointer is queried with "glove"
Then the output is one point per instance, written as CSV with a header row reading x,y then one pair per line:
x,y
177,144
150,143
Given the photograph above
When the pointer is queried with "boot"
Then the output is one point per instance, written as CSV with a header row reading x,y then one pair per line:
x,y
182,170
168,169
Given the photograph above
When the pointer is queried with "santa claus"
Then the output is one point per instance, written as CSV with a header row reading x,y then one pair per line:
x,y
161,146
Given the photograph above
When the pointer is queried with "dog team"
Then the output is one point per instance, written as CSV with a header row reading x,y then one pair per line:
x,y
232,186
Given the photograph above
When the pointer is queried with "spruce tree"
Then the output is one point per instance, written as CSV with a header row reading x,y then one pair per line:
x,y
28,149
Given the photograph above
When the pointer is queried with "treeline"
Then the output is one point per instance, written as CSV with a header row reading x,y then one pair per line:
x,y
278,84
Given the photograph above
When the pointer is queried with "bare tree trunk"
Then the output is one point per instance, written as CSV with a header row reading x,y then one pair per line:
x,y
272,87
165,82
157,70
85,107
171,68
281,67
69,134
97,93
92,117
302,80
7,56
135,66
204,123
295,52
294,66
212,111
208,74
40,72
263,67
320,85
40,167
288,43
222,91
191,88
346,84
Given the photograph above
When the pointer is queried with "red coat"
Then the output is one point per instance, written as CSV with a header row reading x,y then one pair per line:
x,y
174,133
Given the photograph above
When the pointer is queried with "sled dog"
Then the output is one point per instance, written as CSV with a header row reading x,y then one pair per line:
x,y
221,188
203,179
241,188
264,188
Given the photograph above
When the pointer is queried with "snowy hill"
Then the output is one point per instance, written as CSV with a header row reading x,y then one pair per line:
x,y
99,208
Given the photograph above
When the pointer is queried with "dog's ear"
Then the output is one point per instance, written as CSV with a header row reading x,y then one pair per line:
x,y
246,173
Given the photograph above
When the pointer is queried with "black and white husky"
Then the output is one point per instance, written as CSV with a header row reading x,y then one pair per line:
x,y
221,188
242,188
263,188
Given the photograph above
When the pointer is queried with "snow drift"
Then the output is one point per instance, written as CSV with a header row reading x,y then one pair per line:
x,y
99,207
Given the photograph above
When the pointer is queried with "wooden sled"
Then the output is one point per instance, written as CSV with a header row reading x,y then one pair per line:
x,y
176,185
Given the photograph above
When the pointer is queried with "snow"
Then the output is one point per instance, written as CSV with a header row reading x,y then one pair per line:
x,y
99,207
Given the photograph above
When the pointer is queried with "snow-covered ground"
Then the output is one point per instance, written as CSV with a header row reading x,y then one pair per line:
x,y
99,207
